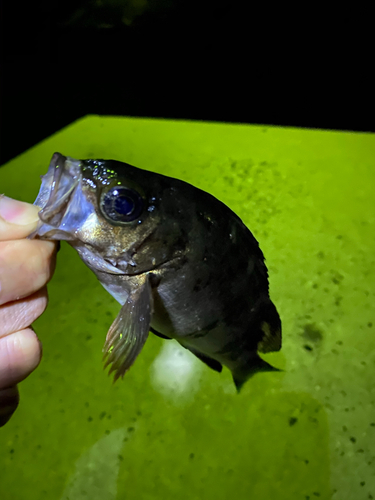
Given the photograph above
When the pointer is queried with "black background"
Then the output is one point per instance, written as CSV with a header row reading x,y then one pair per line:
x,y
204,60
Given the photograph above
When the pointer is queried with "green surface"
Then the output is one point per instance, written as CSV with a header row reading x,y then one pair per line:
x,y
173,428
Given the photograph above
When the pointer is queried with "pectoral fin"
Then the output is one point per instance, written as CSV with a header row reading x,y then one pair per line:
x,y
129,331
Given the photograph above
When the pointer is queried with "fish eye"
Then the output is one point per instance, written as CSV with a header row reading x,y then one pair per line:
x,y
121,204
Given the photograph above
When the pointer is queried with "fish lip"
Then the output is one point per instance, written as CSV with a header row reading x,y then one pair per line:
x,y
93,259
136,273
96,261
58,184
157,267
63,175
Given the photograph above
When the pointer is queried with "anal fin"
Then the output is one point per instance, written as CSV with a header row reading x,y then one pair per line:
x,y
212,363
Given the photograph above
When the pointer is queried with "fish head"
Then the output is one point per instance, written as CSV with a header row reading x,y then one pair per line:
x,y
113,214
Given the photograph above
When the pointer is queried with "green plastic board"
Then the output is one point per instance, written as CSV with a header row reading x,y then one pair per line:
x,y
173,428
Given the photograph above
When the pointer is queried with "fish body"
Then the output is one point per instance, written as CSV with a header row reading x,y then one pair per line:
x,y
178,260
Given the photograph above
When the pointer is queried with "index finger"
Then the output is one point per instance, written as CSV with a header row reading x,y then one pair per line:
x,y
17,218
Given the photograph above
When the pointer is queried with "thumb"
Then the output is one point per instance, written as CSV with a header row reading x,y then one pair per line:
x,y
17,218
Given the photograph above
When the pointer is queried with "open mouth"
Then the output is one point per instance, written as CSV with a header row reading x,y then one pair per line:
x,y
58,184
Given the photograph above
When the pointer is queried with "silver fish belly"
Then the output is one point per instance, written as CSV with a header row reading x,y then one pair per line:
x,y
179,262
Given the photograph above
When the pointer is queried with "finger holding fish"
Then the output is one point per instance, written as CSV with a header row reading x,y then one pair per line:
x,y
17,218
25,269
26,266
17,315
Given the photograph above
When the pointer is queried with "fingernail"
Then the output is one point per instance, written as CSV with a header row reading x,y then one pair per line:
x,y
17,212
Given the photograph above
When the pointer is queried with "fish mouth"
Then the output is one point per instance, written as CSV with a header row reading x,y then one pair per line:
x,y
64,208
58,184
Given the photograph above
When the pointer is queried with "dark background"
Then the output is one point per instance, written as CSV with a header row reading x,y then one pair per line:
x,y
203,60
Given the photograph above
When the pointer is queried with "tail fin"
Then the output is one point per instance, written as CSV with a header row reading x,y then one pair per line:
x,y
257,364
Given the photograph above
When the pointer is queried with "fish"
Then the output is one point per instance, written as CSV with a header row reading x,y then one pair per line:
x,y
179,262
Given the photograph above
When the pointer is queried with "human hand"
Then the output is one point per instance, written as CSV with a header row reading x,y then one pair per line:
x,y
25,268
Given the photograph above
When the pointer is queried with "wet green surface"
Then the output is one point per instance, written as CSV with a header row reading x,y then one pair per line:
x,y
173,428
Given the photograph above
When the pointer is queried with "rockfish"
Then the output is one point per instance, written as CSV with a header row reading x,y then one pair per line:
x,y
180,262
